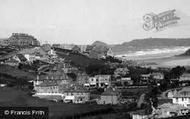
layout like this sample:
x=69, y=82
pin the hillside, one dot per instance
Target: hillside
x=150, y=43
x=78, y=60
x=187, y=53
x=99, y=43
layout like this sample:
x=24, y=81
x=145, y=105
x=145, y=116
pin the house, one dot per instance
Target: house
x=126, y=81
x=92, y=81
x=48, y=89
x=128, y=97
x=52, y=53
x=168, y=110
x=82, y=78
x=76, y=94
x=110, y=52
x=123, y=81
x=48, y=86
x=110, y=96
x=145, y=78
x=157, y=76
x=139, y=115
x=121, y=72
x=32, y=54
x=184, y=77
x=20, y=58
x=46, y=47
x=103, y=80
x=182, y=97
x=100, y=81
x=12, y=62
x=82, y=48
x=22, y=39
x=4, y=42
x=65, y=67
x=76, y=49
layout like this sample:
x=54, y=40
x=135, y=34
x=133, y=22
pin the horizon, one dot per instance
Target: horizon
x=98, y=40
x=83, y=22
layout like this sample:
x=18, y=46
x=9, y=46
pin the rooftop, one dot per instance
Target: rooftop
x=185, y=75
x=110, y=91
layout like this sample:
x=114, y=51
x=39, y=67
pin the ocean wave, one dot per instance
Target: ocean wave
x=156, y=52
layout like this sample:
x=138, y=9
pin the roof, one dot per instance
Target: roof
x=36, y=50
x=110, y=91
x=107, y=76
x=76, y=88
x=145, y=75
x=171, y=107
x=69, y=97
x=139, y=112
x=157, y=73
x=55, y=75
x=48, y=84
x=184, y=92
x=46, y=47
x=21, y=57
x=185, y=75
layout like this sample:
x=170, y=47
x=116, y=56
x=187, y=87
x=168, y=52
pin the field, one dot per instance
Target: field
x=14, y=72
x=15, y=97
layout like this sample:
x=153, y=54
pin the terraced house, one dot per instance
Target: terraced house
x=21, y=39
x=47, y=86
x=100, y=81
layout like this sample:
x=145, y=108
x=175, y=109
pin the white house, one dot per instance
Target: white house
x=76, y=94
x=100, y=81
x=182, y=97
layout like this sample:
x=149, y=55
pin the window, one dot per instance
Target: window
x=176, y=99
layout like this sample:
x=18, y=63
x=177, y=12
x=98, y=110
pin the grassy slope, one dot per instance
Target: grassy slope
x=5, y=69
x=13, y=97
x=79, y=59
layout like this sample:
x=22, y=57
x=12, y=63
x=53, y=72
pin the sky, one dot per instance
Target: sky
x=86, y=21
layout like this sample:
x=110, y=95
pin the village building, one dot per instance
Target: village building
x=82, y=78
x=21, y=39
x=4, y=42
x=126, y=81
x=145, y=78
x=157, y=76
x=139, y=115
x=32, y=54
x=121, y=72
x=11, y=62
x=184, y=77
x=169, y=110
x=110, y=52
x=15, y=60
x=76, y=94
x=182, y=97
x=76, y=49
x=82, y=48
x=103, y=80
x=47, y=86
x=48, y=90
x=46, y=47
x=100, y=81
x=110, y=96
